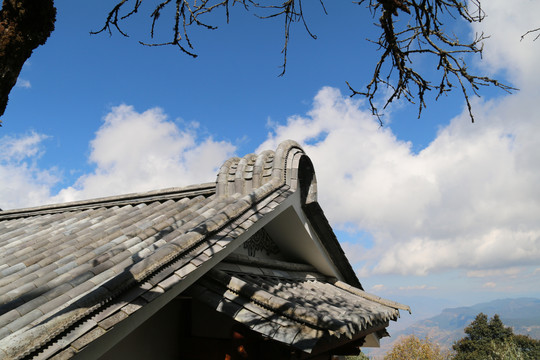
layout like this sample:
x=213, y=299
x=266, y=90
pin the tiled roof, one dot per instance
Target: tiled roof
x=293, y=304
x=70, y=272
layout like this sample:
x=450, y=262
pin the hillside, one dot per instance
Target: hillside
x=522, y=314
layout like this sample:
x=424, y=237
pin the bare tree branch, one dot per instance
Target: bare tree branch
x=424, y=35
x=192, y=12
x=531, y=32
x=400, y=42
x=26, y=24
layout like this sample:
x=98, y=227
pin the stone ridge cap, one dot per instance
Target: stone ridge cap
x=153, y=195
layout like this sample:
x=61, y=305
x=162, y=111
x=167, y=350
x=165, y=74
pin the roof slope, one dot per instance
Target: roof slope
x=69, y=272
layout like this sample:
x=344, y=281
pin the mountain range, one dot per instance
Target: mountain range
x=521, y=314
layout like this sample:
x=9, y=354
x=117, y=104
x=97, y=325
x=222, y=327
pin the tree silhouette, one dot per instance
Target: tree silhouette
x=24, y=25
x=493, y=340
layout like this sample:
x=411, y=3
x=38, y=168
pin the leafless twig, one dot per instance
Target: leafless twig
x=400, y=42
x=192, y=12
x=424, y=35
x=531, y=32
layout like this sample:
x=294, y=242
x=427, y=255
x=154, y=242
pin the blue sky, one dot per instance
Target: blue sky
x=433, y=212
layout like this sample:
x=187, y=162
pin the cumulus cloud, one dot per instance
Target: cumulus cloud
x=23, y=182
x=135, y=151
x=131, y=152
x=469, y=200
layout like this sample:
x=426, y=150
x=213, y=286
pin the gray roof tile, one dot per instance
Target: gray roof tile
x=134, y=306
x=65, y=354
x=112, y=320
x=87, y=338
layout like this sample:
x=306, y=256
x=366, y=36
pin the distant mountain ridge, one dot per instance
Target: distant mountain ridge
x=522, y=314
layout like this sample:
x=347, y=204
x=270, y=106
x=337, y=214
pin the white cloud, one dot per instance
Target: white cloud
x=144, y=151
x=354, y=252
x=23, y=182
x=16, y=149
x=468, y=200
x=505, y=23
x=131, y=152
x=22, y=83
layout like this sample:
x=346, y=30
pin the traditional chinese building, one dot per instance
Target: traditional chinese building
x=244, y=267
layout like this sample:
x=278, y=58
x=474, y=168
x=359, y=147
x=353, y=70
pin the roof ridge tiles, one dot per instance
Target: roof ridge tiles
x=155, y=195
x=242, y=175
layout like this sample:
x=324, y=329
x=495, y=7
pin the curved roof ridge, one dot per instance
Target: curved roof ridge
x=236, y=175
x=243, y=175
